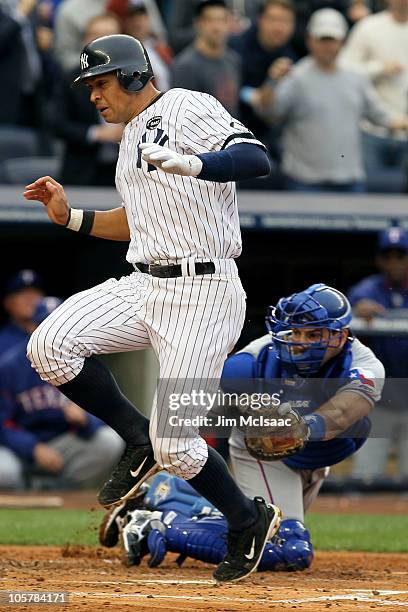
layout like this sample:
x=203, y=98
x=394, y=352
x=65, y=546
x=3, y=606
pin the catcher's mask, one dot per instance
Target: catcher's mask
x=318, y=307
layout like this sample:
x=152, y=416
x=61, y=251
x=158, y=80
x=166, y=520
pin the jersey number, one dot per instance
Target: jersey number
x=161, y=138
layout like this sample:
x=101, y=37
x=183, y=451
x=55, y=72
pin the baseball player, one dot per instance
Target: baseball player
x=179, y=156
x=329, y=378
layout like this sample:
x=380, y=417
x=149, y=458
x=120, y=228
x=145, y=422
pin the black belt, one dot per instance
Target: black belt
x=207, y=267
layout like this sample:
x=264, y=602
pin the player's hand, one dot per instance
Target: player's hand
x=368, y=309
x=74, y=415
x=280, y=68
x=169, y=161
x=48, y=458
x=48, y=191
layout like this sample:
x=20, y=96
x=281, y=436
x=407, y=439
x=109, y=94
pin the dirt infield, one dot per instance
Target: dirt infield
x=96, y=580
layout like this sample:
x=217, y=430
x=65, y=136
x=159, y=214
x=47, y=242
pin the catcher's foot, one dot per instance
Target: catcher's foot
x=136, y=465
x=244, y=550
x=114, y=519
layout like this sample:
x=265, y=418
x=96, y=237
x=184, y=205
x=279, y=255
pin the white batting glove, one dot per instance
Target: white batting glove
x=169, y=161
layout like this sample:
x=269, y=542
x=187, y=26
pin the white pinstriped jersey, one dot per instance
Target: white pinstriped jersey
x=170, y=216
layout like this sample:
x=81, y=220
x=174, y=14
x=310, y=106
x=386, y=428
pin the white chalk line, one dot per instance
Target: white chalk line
x=358, y=596
x=378, y=592
x=365, y=599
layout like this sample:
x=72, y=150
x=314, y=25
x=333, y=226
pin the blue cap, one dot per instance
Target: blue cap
x=45, y=308
x=22, y=280
x=394, y=237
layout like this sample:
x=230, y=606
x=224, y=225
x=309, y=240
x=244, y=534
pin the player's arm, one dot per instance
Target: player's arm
x=338, y=414
x=108, y=224
x=237, y=162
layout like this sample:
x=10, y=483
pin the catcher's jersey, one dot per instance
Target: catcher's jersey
x=172, y=217
x=359, y=371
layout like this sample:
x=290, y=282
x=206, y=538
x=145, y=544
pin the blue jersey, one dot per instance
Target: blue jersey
x=10, y=336
x=393, y=351
x=356, y=368
x=31, y=409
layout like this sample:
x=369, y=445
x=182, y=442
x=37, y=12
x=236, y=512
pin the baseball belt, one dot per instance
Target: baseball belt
x=172, y=271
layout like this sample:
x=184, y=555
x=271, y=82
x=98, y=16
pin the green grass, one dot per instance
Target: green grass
x=49, y=526
x=359, y=532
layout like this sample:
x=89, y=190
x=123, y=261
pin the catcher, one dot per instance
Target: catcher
x=327, y=383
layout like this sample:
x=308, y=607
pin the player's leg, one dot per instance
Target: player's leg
x=273, y=480
x=292, y=549
x=203, y=321
x=100, y=320
x=370, y=461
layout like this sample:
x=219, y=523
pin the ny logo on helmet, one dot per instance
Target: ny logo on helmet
x=84, y=61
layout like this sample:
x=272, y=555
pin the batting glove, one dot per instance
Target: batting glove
x=169, y=161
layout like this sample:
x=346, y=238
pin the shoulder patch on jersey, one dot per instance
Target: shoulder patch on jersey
x=153, y=123
x=363, y=377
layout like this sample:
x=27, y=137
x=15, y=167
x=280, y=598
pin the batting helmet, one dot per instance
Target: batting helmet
x=118, y=53
x=319, y=306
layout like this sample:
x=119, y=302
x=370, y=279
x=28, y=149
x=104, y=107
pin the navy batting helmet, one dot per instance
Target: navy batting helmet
x=118, y=53
x=320, y=307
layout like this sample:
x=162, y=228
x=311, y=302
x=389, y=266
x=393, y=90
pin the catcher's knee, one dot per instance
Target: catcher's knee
x=291, y=549
x=179, y=458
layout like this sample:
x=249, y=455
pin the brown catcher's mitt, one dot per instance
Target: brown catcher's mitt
x=281, y=432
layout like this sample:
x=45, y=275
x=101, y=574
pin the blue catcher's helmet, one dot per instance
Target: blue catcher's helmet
x=319, y=306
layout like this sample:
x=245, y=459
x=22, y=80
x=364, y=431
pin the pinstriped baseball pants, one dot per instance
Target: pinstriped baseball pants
x=192, y=323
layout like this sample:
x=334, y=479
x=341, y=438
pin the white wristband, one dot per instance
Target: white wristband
x=75, y=220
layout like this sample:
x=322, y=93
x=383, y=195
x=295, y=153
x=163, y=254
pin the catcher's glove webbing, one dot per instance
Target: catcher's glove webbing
x=279, y=431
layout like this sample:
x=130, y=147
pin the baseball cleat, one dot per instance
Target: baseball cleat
x=136, y=465
x=115, y=518
x=244, y=550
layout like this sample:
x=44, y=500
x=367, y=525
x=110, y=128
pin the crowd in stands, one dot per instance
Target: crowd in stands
x=323, y=83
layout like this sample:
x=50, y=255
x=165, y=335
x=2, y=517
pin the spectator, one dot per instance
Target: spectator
x=20, y=65
x=137, y=22
x=208, y=65
x=352, y=10
x=40, y=428
x=23, y=292
x=322, y=105
x=91, y=145
x=265, y=52
x=70, y=24
x=381, y=295
x=181, y=22
x=378, y=47
x=122, y=8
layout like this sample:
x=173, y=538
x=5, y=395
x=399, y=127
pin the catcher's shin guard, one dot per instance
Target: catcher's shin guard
x=291, y=549
x=201, y=538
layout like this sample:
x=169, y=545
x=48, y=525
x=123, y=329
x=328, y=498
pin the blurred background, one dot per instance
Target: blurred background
x=324, y=84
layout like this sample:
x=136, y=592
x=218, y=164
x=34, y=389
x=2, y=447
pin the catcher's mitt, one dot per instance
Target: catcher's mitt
x=284, y=433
